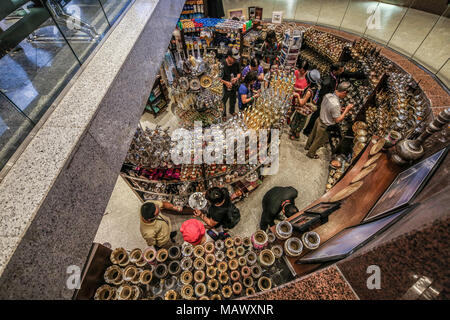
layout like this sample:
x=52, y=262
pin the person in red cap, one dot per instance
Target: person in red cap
x=193, y=231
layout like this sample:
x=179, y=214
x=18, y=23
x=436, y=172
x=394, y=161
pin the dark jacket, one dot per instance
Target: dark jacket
x=330, y=83
x=271, y=204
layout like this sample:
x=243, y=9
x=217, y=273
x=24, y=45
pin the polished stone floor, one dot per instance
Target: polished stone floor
x=120, y=224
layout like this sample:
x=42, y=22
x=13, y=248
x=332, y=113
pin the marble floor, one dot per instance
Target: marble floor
x=120, y=224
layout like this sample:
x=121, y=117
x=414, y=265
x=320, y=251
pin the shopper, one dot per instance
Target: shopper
x=222, y=214
x=330, y=114
x=230, y=80
x=277, y=202
x=193, y=232
x=305, y=103
x=155, y=227
x=254, y=66
x=245, y=93
x=329, y=85
x=271, y=48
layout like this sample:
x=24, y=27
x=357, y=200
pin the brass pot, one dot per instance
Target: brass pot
x=171, y=295
x=114, y=275
x=311, y=240
x=249, y=291
x=174, y=267
x=150, y=255
x=136, y=256
x=161, y=271
x=240, y=251
x=264, y=283
x=251, y=258
x=146, y=277
x=199, y=251
x=186, y=263
x=245, y=272
x=170, y=283
x=242, y=261
x=248, y=282
x=283, y=230
x=131, y=274
x=231, y=253
x=220, y=256
x=266, y=258
x=223, y=277
x=120, y=256
x=229, y=242
x=210, y=259
x=186, y=277
x=227, y=291
x=213, y=285
x=187, y=249
x=220, y=245
x=209, y=247
x=256, y=271
x=199, y=264
x=162, y=255
x=211, y=272
x=203, y=298
x=125, y=292
x=237, y=241
x=187, y=291
x=174, y=253
x=237, y=288
x=293, y=247
x=277, y=251
x=200, y=289
x=199, y=276
x=105, y=292
x=216, y=297
x=234, y=275
x=246, y=242
x=233, y=264
x=271, y=237
x=222, y=266
x=260, y=239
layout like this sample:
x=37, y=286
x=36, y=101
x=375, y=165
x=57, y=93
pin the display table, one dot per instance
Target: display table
x=354, y=208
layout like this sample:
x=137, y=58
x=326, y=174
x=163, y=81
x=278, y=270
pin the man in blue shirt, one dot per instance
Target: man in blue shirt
x=254, y=66
x=245, y=94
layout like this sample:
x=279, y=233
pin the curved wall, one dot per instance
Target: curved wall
x=403, y=26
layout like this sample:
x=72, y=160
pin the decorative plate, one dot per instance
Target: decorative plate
x=364, y=173
x=195, y=84
x=184, y=83
x=206, y=81
x=377, y=146
x=197, y=200
x=372, y=160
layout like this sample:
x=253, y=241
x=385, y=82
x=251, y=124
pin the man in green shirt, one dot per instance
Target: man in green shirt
x=155, y=227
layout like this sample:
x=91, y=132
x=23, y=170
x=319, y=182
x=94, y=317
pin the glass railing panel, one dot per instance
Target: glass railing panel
x=114, y=8
x=33, y=73
x=82, y=22
x=14, y=127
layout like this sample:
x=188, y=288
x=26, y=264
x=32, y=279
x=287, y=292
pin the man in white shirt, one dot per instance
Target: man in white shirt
x=330, y=114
